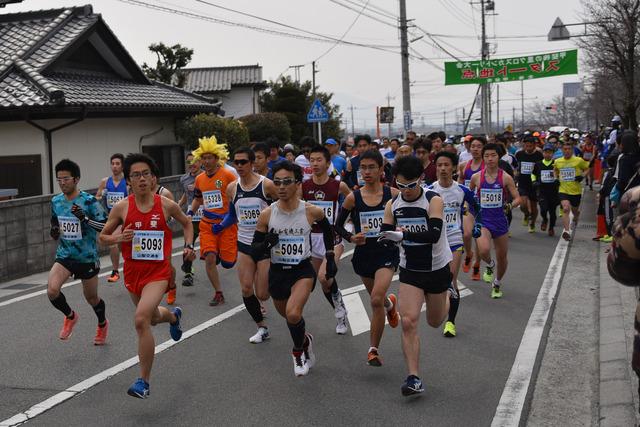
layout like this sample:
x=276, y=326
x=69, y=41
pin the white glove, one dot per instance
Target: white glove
x=390, y=236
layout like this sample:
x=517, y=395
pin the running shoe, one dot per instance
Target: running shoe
x=551, y=232
x=543, y=225
x=466, y=266
x=101, y=333
x=532, y=228
x=561, y=213
x=566, y=235
x=373, y=358
x=218, y=299
x=139, y=389
x=115, y=276
x=67, y=326
x=175, y=330
x=342, y=326
x=188, y=280
x=412, y=386
x=476, y=273
x=340, y=310
x=260, y=336
x=300, y=366
x=171, y=296
x=392, y=313
x=496, y=292
x=488, y=275
x=449, y=329
x=525, y=221
x=606, y=238
x=309, y=355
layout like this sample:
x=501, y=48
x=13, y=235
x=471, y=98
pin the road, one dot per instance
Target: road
x=217, y=377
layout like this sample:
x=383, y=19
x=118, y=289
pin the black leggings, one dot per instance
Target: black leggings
x=548, y=206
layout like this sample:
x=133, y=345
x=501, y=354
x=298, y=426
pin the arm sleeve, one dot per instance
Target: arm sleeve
x=197, y=194
x=230, y=217
x=339, y=227
x=327, y=234
x=430, y=236
x=54, y=217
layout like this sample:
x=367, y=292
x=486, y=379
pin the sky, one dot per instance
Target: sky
x=362, y=77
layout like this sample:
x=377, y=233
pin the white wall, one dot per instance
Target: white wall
x=89, y=143
x=241, y=101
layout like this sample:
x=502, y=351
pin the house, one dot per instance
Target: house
x=69, y=88
x=238, y=88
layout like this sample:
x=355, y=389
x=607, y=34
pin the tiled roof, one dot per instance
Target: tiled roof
x=32, y=42
x=221, y=79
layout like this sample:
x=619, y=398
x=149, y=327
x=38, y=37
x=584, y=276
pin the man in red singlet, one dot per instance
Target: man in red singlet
x=146, y=248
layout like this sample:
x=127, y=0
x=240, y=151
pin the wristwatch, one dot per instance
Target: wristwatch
x=188, y=246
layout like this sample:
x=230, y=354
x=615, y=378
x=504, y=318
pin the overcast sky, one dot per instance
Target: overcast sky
x=358, y=76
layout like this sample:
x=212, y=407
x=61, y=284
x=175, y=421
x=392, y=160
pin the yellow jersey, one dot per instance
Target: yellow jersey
x=567, y=170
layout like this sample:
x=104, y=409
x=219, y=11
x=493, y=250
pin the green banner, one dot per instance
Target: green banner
x=511, y=69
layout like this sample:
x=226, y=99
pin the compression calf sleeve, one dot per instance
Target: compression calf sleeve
x=297, y=332
x=454, y=304
x=100, y=311
x=253, y=307
x=60, y=302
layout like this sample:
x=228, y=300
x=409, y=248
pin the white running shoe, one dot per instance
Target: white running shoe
x=309, y=355
x=300, y=366
x=342, y=326
x=260, y=336
x=340, y=310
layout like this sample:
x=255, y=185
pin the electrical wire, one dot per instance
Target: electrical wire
x=346, y=32
x=394, y=25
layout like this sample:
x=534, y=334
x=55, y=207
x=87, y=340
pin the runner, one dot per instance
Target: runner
x=372, y=261
x=354, y=174
x=249, y=196
x=326, y=193
x=492, y=185
x=146, y=249
x=163, y=191
x=75, y=218
x=454, y=196
x=527, y=158
x=425, y=275
x=187, y=181
x=114, y=189
x=261, y=165
x=546, y=185
x=570, y=170
x=211, y=192
x=306, y=144
x=589, y=152
x=284, y=229
x=465, y=172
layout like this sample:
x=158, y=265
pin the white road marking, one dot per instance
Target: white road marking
x=509, y=410
x=83, y=386
x=66, y=285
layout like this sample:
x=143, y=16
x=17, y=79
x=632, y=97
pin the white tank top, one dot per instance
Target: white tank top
x=248, y=204
x=294, y=233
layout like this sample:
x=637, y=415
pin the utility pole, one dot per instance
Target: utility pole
x=498, y=107
x=353, y=132
x=444, y=122
x=404, y=56
x=389, y=98
x=522, y=101
x=313, y=90
x=513, y=118
x=485, y=108
x=296, y=71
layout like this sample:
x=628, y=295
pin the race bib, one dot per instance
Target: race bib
x=412, y=225
x=546, y=176
x=248, y=215
x=587, y=155
x=114, y=197
x=70, y=228
x=526, y=168
x=467, y=183
x=327, y=208
x=370, y=223
x=567, y=174
x=212, y=199
x=197, y=216
x=491, y=197
x=359, y=178
x=148, y=245
x=289, y=250
x=451, y=218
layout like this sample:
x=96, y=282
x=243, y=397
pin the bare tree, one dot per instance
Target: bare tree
x=612, y=51
x=573, y=112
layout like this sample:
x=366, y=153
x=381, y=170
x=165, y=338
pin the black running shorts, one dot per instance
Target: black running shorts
x=431, y=282
x=283, y=277
x=80, y=270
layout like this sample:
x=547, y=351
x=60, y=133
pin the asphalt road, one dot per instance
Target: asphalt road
x=217, y=377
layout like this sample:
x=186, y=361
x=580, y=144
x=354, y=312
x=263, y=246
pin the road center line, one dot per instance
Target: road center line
x=509, y=410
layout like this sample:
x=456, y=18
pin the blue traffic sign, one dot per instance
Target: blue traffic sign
x=317, y=113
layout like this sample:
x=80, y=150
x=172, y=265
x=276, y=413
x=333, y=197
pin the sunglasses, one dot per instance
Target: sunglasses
x=408, y=186
x=240, y=162
x=283, y=182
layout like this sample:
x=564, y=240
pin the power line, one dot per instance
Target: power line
x=394, y=25
x=379, y=10
x=346, y=32
x=459, y=17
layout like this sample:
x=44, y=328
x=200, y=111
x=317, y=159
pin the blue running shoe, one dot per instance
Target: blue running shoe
x=412, y=386
x=174, y=328
x=139, y=389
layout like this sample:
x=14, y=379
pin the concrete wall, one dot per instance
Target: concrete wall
x=25, y=245
x=241, y=101
x=89, y=143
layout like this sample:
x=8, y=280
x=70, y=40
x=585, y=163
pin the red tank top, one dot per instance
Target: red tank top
x=152, y=237
x=324, y=196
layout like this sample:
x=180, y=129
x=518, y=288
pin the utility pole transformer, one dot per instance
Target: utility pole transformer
x=404, y=54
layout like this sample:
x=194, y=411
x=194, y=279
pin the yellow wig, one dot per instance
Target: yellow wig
x=210, y=145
